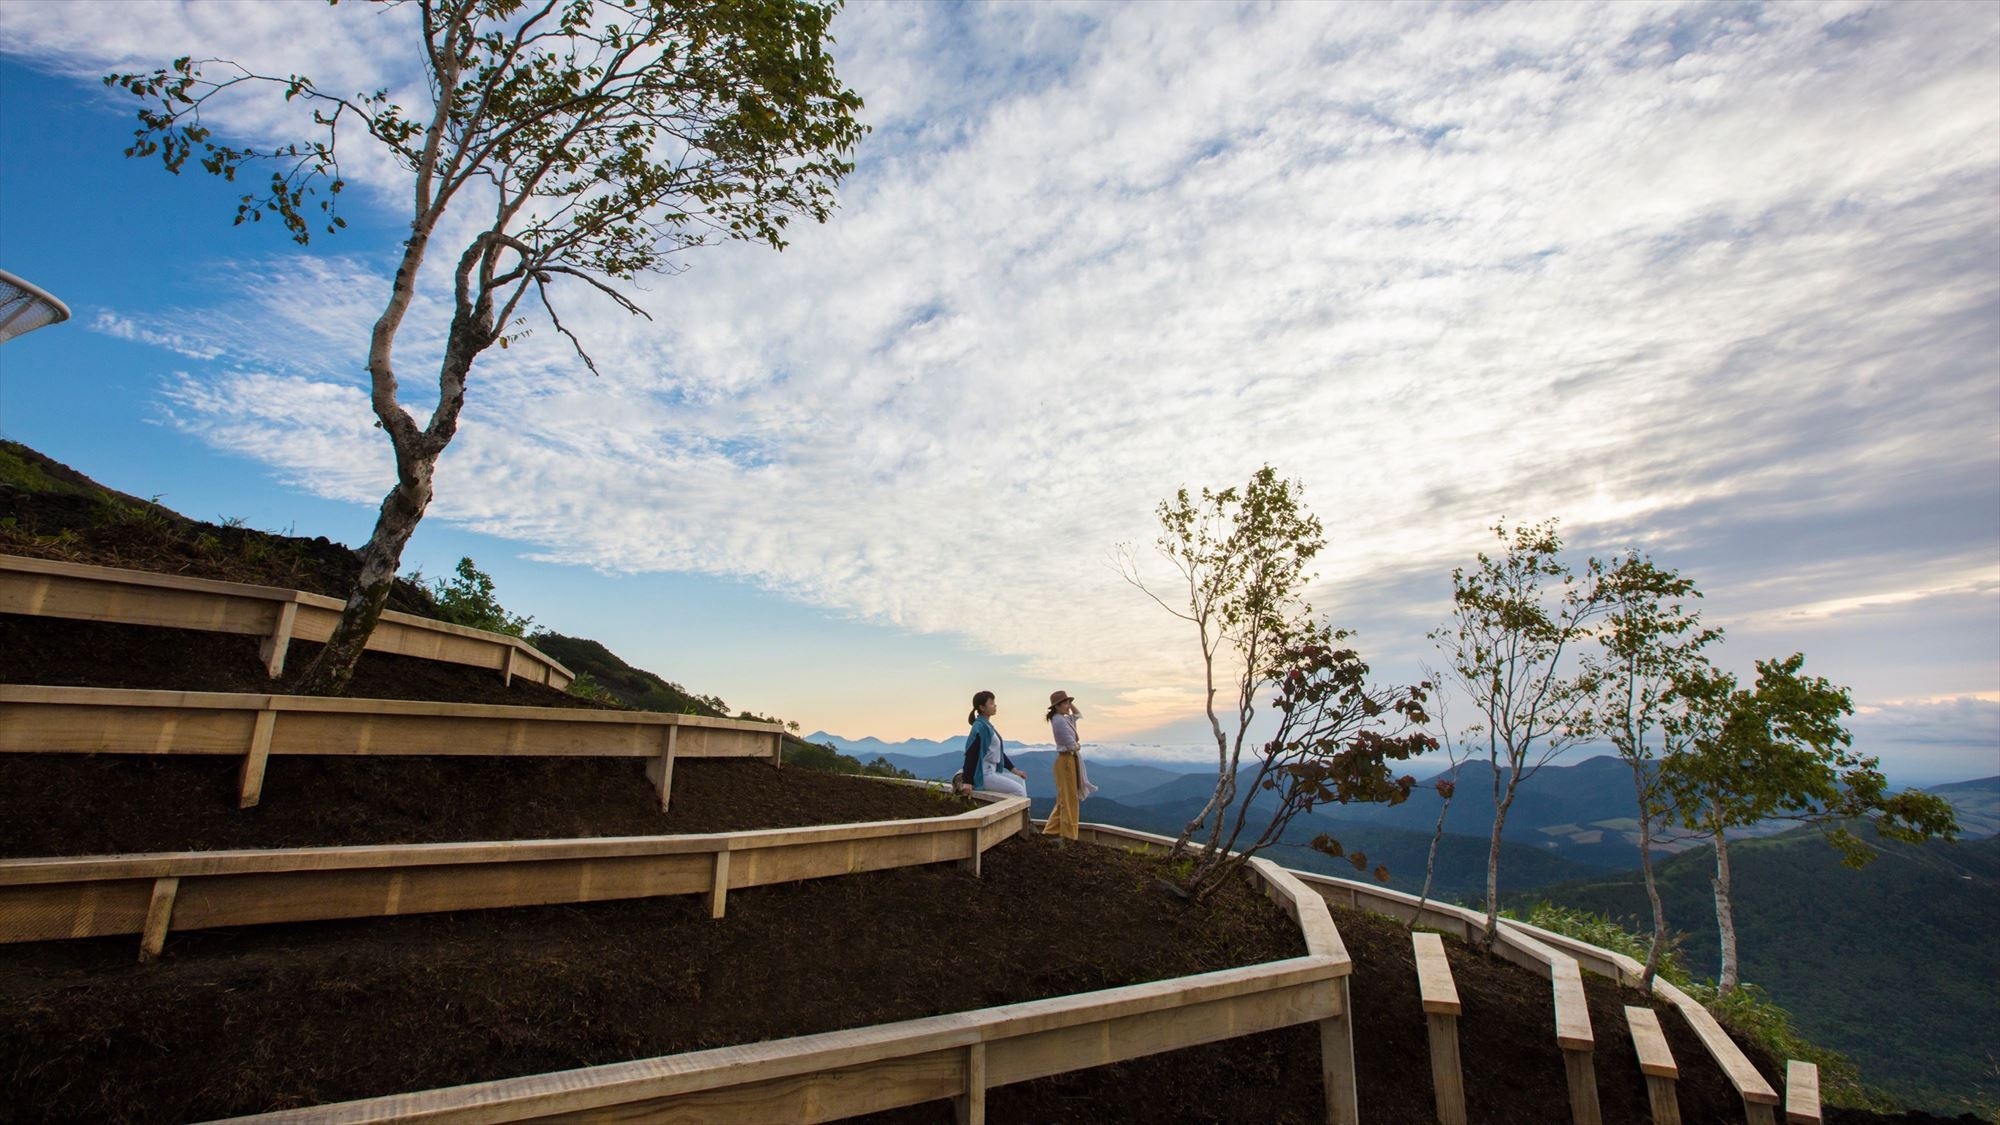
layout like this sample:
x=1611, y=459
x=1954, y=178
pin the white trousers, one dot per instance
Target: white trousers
x=1000, y=781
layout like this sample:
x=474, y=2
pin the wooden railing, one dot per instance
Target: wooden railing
x=73, y=720
x=958, y=1056
x=96, y=896
x=1533, y=946
x=46, y=588
x=1573, y=1033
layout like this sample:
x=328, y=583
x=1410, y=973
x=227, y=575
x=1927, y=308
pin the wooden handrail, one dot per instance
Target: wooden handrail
x=50, y=588
x=257, y=727
x=958, y=1056
x=95, y=896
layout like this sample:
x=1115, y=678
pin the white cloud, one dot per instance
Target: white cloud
x=1675, y=273
x=111, y=324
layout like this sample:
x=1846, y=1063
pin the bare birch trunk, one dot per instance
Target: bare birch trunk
x=333, y=669
x=1725, y=917
x=1431, y=860
x=1500, y=807
x=1652, y=884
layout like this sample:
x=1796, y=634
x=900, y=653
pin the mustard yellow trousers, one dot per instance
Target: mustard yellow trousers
x=1063, y=818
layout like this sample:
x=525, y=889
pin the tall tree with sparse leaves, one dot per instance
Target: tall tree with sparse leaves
x=1650, y=640
x=1242, y=557
x=1511, y=647
x=593, y=139
x=1780, y=751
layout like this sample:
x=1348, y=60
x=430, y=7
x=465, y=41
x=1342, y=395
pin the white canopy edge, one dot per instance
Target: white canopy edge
x=25, y=307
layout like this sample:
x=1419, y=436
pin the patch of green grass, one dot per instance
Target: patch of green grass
x=1747, y=1009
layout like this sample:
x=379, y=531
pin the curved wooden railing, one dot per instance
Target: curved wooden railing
x=958, y=1056
x=1553, y=955
x=97, y=896
x=76, y=720
x=47, y=588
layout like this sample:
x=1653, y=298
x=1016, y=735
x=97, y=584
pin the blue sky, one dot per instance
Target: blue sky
x=1718, y=281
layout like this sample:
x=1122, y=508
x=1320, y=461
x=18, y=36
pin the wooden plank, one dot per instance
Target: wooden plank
x=1305, y=906
x=248, y=900
x=1751, y=1085
x=61, y=897
x=56, y=589
x=250, y=780
x=89, y=729
x=159, y=914
x=1582, y=1075
x=1801, y=1093
x=1650, y=1043
x=88, y=573
x=43, y=913
x=241, y=701
x=1439, y=994
x=1573, y=1032
x=1017, y=1056
x=1434, y=983
x=1447, y=1073
x=1572, y=1007
x=764, y=866
x=95, y=720
x=827, y=1063
x=84, y=599
x=1656, y=1062
x=718, y=887
x=1663, y=1098
x=260, y=860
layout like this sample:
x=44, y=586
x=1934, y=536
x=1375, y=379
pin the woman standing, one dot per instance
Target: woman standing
x=987, y=765
x=1072, y=785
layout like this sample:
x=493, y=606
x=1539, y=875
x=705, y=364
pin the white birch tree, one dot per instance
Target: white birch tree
x=1510, y=646
x=594, y=140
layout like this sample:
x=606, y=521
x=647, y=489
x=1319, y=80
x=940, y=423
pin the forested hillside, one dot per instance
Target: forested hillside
x=1896, y=964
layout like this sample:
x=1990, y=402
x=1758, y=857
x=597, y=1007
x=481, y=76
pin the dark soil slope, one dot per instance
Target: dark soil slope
x=232, y=1022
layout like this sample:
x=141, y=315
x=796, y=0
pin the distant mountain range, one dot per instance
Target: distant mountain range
x=1567, y=822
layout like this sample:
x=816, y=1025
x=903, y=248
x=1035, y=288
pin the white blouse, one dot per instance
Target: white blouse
x=1064, y=728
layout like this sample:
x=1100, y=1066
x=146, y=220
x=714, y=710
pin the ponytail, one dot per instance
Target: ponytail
x=979, y=699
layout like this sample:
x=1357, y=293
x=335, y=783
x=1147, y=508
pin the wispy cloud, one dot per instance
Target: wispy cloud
x=180, y=343
x=1683, y=275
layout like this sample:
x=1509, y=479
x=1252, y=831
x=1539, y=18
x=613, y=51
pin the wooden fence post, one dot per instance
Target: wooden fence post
x=1441, y=1011
x=971, y=862
x=159, y=913
x=1578, y=1045
x=1336, y=1059
x=969, y=1108
x=280, y=640
x=250, y=779
x=1656, y=1062
x=1801, y=1093
x=718, y=894
x=660, y=771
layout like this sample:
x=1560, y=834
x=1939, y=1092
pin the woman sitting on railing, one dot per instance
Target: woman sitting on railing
x=987, y=765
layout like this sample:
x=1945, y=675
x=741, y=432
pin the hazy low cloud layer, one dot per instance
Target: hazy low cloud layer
x=1717, y=281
